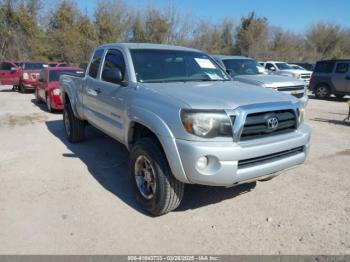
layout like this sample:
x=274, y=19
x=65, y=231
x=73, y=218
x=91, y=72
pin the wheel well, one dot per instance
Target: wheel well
x=138, y=131
x=66, y=99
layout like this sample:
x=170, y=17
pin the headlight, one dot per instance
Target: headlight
x=56, y=92
x=295, y=75
x=207, y=124
x=25, y=76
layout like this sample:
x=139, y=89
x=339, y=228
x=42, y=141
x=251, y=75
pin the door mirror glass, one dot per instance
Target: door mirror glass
x=112, y=75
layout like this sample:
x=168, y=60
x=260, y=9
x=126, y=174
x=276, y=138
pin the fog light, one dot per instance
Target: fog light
x=202, y=162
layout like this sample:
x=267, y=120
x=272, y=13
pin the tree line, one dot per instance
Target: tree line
x=31, y=31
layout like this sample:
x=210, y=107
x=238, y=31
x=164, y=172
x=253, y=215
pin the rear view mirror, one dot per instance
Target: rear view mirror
x=112, y=75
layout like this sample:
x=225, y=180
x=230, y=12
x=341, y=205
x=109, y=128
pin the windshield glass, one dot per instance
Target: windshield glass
x=242, y=66
x=33, y=66
x=54, y=75
x=152, y=66
x=283, y=66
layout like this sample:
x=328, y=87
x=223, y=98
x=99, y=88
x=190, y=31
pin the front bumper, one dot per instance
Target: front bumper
x=223, y=166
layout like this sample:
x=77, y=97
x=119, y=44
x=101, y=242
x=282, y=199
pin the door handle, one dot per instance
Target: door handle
x=98, y=90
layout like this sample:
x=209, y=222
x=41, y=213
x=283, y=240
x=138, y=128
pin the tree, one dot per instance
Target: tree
x=252, y=37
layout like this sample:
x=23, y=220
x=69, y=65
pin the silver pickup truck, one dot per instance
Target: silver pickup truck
x=246, y=70
x=183, y=120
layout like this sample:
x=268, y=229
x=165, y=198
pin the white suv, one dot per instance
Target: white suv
x=282, y=68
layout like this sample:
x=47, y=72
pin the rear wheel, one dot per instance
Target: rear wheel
x=74, y=127
x=322, y=91
x=155, y=187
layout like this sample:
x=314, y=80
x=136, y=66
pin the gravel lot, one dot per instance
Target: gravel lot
x=59, y=198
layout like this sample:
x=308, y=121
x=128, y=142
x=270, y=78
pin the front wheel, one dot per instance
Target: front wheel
x=22, y=89
x=74, y=127
x=155, y=187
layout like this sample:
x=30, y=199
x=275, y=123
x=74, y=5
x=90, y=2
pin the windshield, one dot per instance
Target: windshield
x=54, y=75
x=242, y=66
x=152, y=66
x=283, y=66
x=33, y=66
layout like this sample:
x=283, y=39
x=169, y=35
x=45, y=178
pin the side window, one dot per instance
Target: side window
x=114, y=59
x=342, y=68
x=95, y=63
x=324, y=67
x=5, y=66
x=269, y=66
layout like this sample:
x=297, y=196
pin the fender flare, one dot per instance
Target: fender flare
x=153, y=122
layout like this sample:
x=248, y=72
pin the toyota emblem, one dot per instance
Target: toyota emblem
x=272, y=123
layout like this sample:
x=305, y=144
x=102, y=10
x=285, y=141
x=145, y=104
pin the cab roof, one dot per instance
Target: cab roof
x=148, y=46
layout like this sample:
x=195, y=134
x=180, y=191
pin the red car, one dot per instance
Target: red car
x=48, y=89
x=30, y=75
x=10, y=73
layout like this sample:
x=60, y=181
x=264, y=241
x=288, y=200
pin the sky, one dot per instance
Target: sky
x=292, y=15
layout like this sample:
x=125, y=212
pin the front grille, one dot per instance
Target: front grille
x=269, y=158
x=290, y=88
x=256, y=125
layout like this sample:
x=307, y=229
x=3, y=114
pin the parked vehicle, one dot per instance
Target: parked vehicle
x=183, y=120
x=282, y=68
x=9, y=73
x=297, y=67
x=57, y=64
x=29, y=75
x=246, y=70
x=48, y=88
x=306, y=66
x=331, y=77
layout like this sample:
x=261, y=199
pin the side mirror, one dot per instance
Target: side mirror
x=272, y=68
x=230, y=72
x=13, y=69
x=112, y=75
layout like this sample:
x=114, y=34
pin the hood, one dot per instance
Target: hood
x=270, y=81
x=217, y=95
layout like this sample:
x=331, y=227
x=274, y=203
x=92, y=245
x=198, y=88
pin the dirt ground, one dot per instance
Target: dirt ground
x=60, y=198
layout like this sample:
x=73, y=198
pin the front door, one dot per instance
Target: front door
x=9, y=74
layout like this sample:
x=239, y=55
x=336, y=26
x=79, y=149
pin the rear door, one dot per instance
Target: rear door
x=9, y=74
x=340, y=78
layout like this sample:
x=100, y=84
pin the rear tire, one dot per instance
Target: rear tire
x=155, y=187
x=74, y=127
x=322, y=91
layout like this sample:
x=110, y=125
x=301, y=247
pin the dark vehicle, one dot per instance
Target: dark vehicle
x=57, y=64
x=306, y=66
x=331, y=77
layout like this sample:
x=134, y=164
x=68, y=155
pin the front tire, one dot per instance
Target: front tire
x=155, y=187
x=74, y=127
x=22, y=89
x=48, y=103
